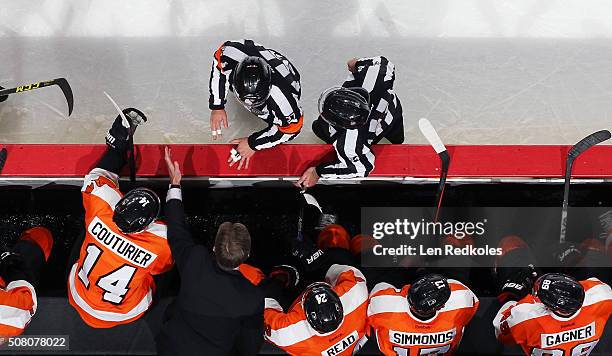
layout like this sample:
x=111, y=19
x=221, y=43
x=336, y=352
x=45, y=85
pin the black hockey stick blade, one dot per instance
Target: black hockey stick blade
x=67, y=90
x=60, y=82
x=575, y=151
x=3, y=155
x=588, y=142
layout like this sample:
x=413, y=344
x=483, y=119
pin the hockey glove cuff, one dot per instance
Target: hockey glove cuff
x=519, y=285
x=288, y=275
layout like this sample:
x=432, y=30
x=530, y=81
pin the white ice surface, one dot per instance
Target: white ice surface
x=482, y=71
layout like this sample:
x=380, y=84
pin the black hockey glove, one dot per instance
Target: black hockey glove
x=288, y=275
x=308, y=255
x=519, y=285
x=568, y=255
x=12, y=267
x=119, y=134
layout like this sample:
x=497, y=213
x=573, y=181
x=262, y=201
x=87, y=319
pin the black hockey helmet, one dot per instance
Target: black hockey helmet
x=428, y=295
x=562, y=294
x=252, y=81
x=136, y=210
x=323, y=307
x=345, y=108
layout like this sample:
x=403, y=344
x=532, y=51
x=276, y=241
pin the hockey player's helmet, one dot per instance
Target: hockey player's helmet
x=252, y=81
x=136, y=210
x=428, y=295
x=323, y=307
x=562, y=294
x=345, y=108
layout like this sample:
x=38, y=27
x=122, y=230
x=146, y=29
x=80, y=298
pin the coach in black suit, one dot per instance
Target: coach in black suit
x=217, y=311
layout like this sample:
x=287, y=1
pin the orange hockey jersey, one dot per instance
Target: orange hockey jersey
x=17, y=307
x=291, y=332
x=253, y=274
x=398, y=332
x=538, y=331
x=112, y=281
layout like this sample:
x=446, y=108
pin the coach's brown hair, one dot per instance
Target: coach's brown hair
x=232, y=245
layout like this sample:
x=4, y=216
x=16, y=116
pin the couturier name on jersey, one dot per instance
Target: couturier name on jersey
x=120, y=245
x=416, y=339
x=578, y=334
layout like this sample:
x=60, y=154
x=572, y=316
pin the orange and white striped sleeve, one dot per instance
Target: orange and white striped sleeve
x=17, y=307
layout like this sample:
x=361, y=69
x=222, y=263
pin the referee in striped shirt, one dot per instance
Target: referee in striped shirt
x=266, y=84
x=354, y=117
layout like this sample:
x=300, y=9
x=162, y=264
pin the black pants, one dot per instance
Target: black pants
x=33, y=261
x=250, y=339
x=185, y=334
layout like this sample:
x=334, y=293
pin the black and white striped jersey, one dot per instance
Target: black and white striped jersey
x=282, y=111
x=353, y=147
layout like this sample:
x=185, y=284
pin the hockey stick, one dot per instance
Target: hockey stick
x=310, y=200
x=434, y=140
x=60, y=82
x=3, y=155
x=132, y=125
x=576, y=150
x=300, y=232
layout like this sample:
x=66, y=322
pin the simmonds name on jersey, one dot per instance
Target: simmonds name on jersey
x=417, y=339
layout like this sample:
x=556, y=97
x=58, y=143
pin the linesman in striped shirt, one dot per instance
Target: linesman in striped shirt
x=266, y=84
x=354, y=117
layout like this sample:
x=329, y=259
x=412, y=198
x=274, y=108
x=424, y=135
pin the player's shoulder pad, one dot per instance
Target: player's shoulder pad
x=596, y=291
x=271, y=303
x=285, y=329
x=346, y=272
x=461, y=297
x=384, y=288
x=102, y=176
x=104, y=185
x=159, y=229
x=385, y=298
x=456, y=285
x=525, y=310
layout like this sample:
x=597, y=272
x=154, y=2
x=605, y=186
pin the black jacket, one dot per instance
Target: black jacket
x=213, y=306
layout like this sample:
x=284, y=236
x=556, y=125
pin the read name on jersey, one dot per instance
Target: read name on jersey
x=120, y=245
x=424, y=339
x=341, y=345
x=578, y=334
